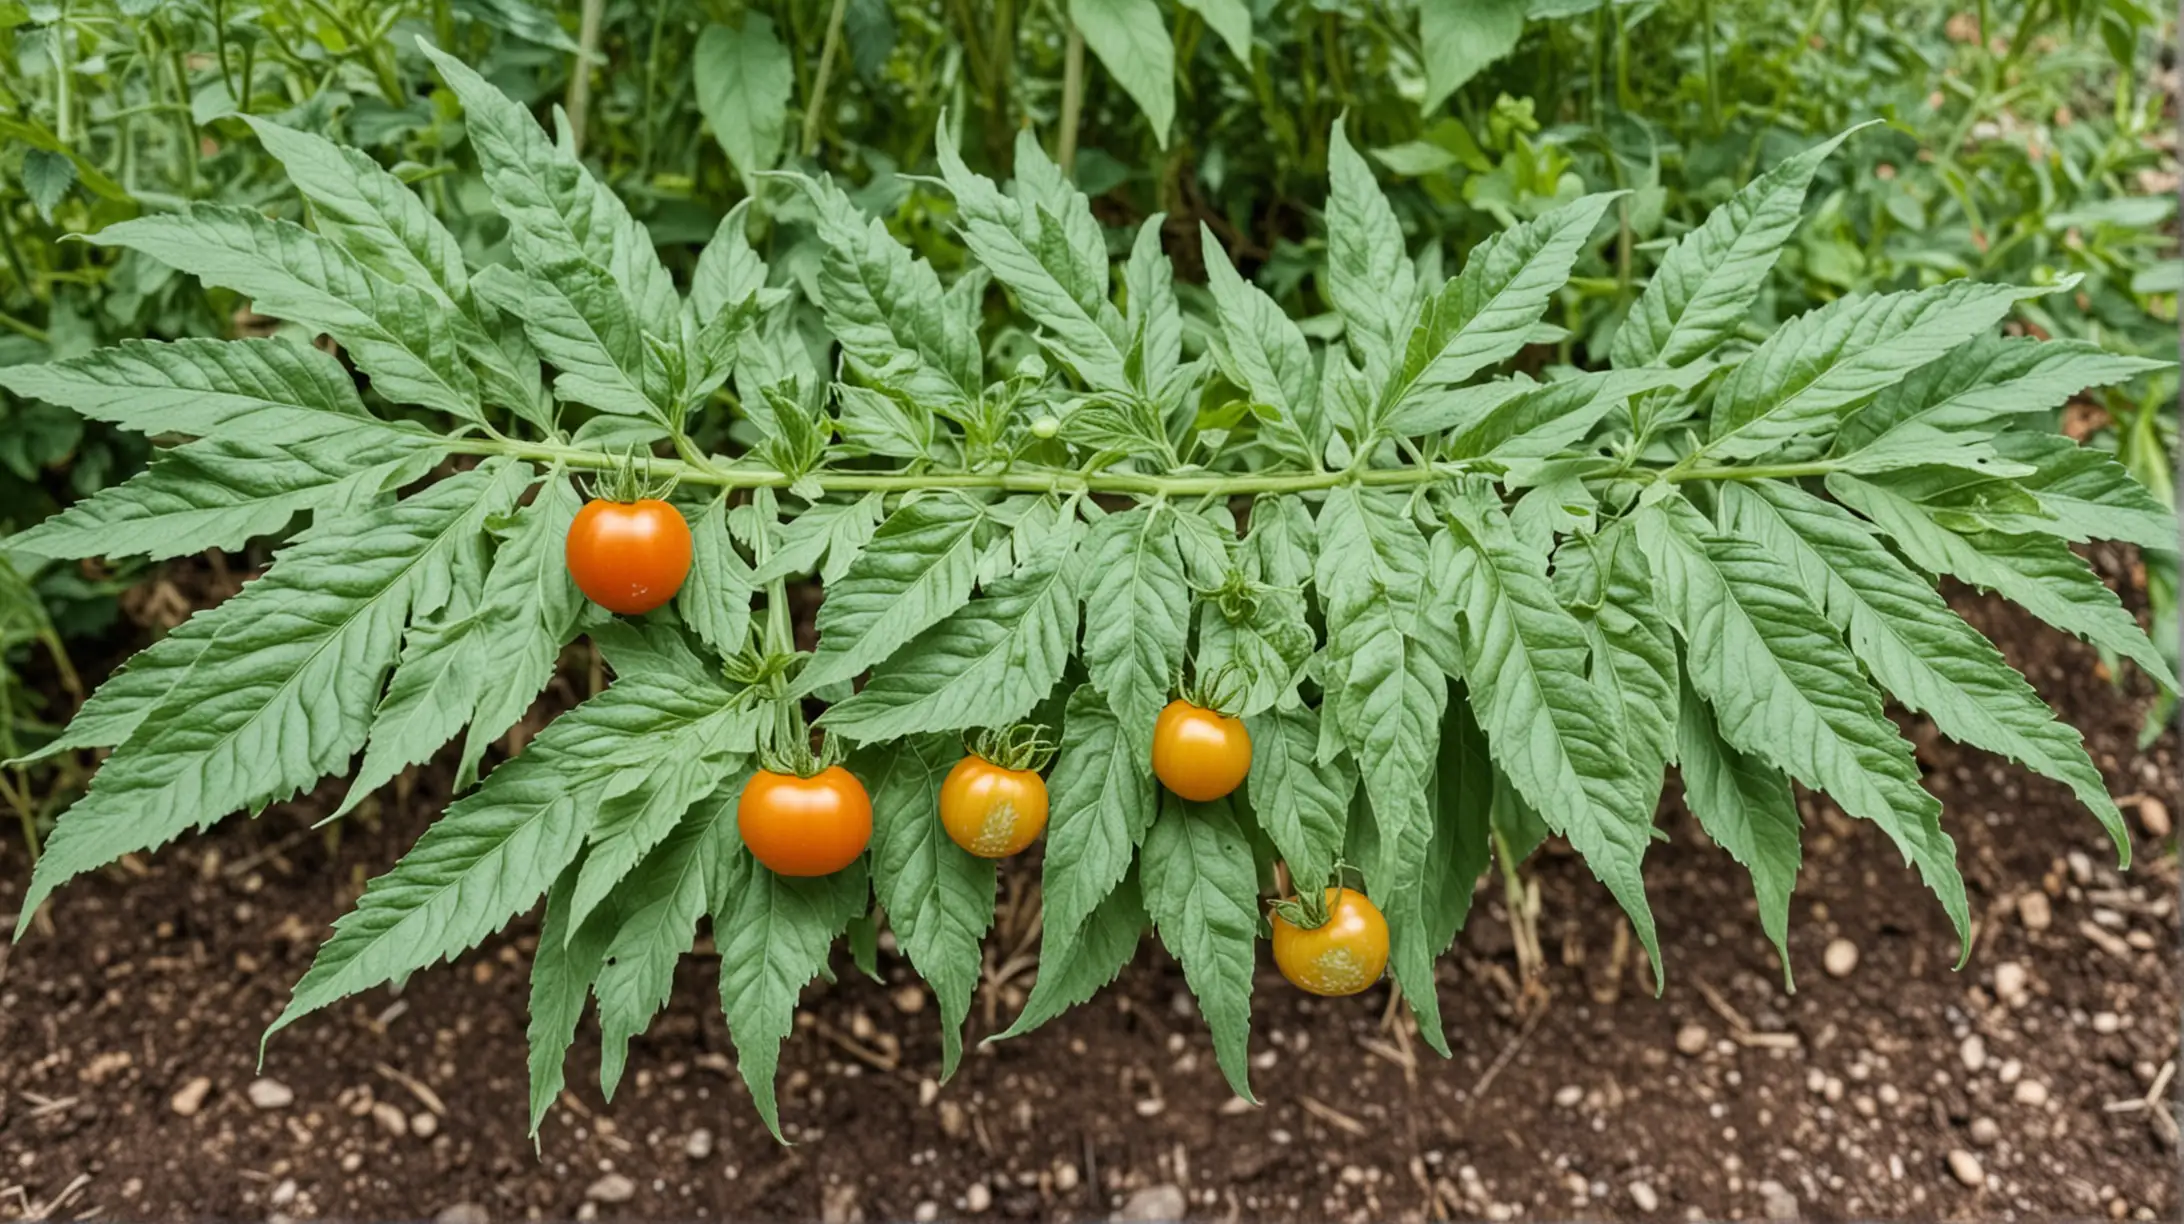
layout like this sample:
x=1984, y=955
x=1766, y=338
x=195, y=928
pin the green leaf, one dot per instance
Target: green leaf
x=886, y=309
x=1707, y=282
x=1746, y=807
x=986, y=665
x=1484, y=315
x=1269, y=647
x=1093, y=958
x=744, y=78
x=835, y=531
x=1914, y=646
x=281, y=692
x=1154, y=319
x=1130, y=37
x=1785, y=689
x=2090, y=495
x=1102, y=800
x=1058, y=280
x=580, y=322
x=529, y=611
x=2039, y=573
x=556, y=211
x=728, y=269
x=1304, y=806
x=221, y=492
x=1263, y=351
x=1370, y=548
x=642, y=806
x=1531, y=421
x=47, y=176
x=1460, y=37
x=1202, y=889
x=1548, y=727
x=938, y=896
x=715, y=600
x=1605, y=578
x=563, y=967
x=1462, y=844
x=1978, y=382
x=392, y=332
x=1368, y=276
x=1231, y=19
x=1822, y=364
x=659, y=906
x=774, y=935
x=1136, y=615
x=494, y=851
x=917, y=570
x=263, y=391
x=369, y=212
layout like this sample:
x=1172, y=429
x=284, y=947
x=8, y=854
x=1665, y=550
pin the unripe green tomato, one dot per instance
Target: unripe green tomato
x=1045, y=427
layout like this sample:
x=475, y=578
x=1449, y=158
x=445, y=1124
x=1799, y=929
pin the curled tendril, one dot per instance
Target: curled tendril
x=1022, y=746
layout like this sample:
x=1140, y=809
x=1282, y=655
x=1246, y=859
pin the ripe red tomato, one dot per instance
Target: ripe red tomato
x=1199, y=753
x=990, y=811
x=628, y=557
x=811, y=826
x=1341, y=958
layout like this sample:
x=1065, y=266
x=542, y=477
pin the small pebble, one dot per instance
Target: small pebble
x=1568, y=1096
x=1973, y=1053
x=909, y=1000
x=352, y=1161
x=424, y=1124
x=928, y=1092
x=1065, y=1177
x=2081, y=868
x=190, y=1097
x=1965, y=1167
x=1643, y=1197
x=270, y=1094
x=2034, y=911
x=2154, y=817
x=2011, y=1071
x=464, y=1213
x=698, y=1144
x=284, y=1193
x=977, y=1198
x=2030, y=1092
x=1691, y=1040
x=390, y=1118
x=2106, y=1022
x=925, y=1212
x=2011, y=982
x=1840, y=957
x=1985, y=1132
x=613, y=1188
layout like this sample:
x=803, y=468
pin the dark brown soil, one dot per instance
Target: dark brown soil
x=1845, y=1099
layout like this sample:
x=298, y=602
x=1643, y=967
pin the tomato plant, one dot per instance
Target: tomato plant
x=1338, y=947
x=1463, y=600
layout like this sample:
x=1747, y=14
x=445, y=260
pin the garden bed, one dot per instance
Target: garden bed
x=1899, y=1089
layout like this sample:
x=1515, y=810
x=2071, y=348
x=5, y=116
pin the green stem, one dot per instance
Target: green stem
x=219, y=44
x=695, y=468
x=578, y=102
x=827, y=49
x=64, y=106
x=1072, y=100
x=23, y=813
x=1779, y=471
x=1706, y=55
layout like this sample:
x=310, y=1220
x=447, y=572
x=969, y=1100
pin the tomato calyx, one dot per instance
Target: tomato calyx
x=1220, y=692
x=1307, y=910
x=1022, y=747
x=628, y=479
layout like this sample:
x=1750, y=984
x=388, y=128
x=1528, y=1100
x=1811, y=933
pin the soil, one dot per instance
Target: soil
x=2037, y=1082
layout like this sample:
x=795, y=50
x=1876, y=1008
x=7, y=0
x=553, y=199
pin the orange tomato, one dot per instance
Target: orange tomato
x=1341, y=958
x=811, y=826
x=628, y=557
x=990, y=811
x=1199, y=753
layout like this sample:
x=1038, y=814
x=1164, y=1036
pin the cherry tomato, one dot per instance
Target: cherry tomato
x=811, y=826
x=629, y=557
x=1199, y=753
x=990, y=811
x=1341, y=958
